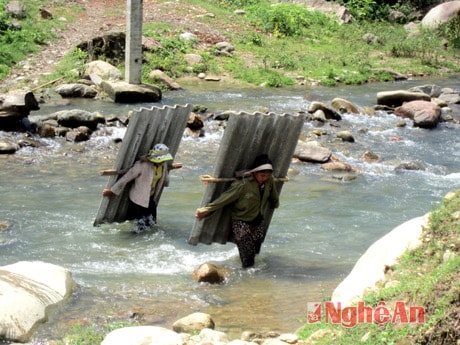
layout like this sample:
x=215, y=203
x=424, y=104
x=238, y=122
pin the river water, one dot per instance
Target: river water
x=50, y=196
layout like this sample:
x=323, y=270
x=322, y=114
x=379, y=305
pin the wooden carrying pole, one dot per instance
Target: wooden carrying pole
x=246, y=136
x=209, y=178
x=110, y=172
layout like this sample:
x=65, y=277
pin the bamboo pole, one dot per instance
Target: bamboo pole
x=109, y=172
x=48, y=83
x=209, y=178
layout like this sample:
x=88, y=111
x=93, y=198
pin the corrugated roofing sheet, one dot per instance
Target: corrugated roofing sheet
x=247, y=136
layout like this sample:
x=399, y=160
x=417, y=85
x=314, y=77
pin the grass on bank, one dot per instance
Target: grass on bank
x=33, y=32
x=89, y=335
x=275, y=46
x=278, y=45
x=428, y=277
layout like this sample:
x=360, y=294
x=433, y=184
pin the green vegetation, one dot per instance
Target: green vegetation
x=80, y=335
x=297, y=42
x=170, y=55
x=275, y=45
x=16, y=42
x=89, y=335
x=72, y=66
x=380, y=9
x=426, y=277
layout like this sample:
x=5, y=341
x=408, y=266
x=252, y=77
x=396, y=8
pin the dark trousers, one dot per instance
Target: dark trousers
x=248, y=238
x=140, y=212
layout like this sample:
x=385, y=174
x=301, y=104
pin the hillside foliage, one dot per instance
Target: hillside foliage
x=276, y=45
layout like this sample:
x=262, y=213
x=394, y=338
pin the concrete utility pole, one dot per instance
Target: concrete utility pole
x=133, y=51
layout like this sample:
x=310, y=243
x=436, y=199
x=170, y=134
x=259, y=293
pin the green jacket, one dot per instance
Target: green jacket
x=243, y=196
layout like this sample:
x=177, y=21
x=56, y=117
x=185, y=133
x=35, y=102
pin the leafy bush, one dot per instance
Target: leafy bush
x=287, y=20
x=276, y=79
x=169, y=58
x=419, y=4
x=21, y=42
x=361, y=9
x=451, y=32
x=71, y=66
x=4, y=22
x=252, y=38
x=380, y=9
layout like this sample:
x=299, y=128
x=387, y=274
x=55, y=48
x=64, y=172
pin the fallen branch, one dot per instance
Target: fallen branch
x=48, y=83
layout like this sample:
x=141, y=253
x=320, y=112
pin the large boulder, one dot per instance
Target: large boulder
x=102, y=69
x=75, y=90
x=28, y=291
x=193, y=323
x=78, y=134
x=373, y=264
x=330, y=113
x=159, y=75
x=142, y=335
x=441, y=14
x=14, y=107
x=123, y=92
x=398, y=97
x=210, y=336
x=312, y=152
x=8, y=147
x=110, y=47
x=193, y=59
x=344, y=106
x=76, y=117
x=450, y=96
x=425, y=114
x=210, y=273
x=430, y=89
x=337, y=166
x=16, y=9
x=58, y=123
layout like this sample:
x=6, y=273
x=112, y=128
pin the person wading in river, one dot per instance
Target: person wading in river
x=150, y=174
x=248, y=198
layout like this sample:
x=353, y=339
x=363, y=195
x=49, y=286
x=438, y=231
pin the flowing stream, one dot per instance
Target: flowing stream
x=50, y=196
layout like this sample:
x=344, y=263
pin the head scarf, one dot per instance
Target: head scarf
x=159, y=153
